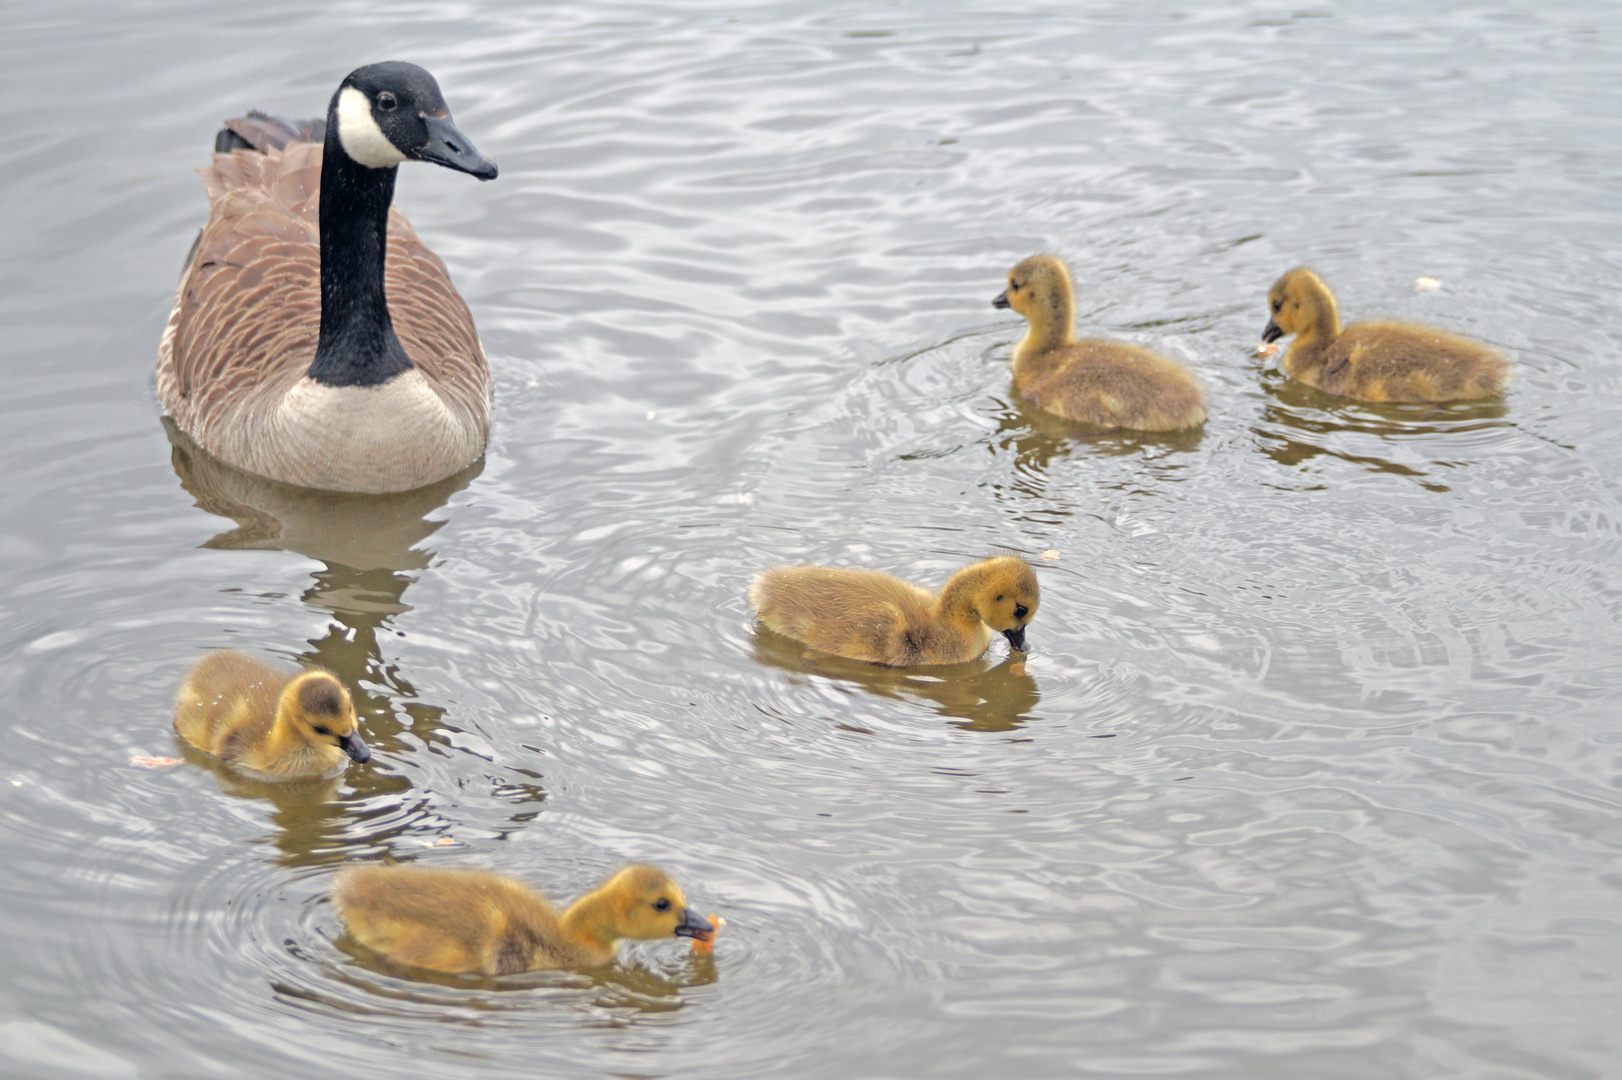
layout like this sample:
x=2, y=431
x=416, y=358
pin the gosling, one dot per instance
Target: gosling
x=867, y=615
x=277, y=723
x=1375, y=361
x=473, y=921
x=1107, y=384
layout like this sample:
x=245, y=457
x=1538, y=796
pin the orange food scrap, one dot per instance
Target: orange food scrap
x=153, y=762
x=1050, y=554
x=1016, y=669
x=705, y=946
x=1267, y=349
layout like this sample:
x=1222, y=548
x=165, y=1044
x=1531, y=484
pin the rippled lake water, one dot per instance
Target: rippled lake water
x=1313, y=770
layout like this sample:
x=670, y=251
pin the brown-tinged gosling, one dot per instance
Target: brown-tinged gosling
x=476, y=921
x=282, y=724
x=871, y=616
x=1108, y=384
x=1375, y=361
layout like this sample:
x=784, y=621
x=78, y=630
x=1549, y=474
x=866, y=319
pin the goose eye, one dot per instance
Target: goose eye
x=1276, y=306
x=386, y=102
x=319, y=730
x=661, y=904
x=1020, y=611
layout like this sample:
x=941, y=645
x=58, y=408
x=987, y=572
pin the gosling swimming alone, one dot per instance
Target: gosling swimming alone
x=281, y=724
x=871, y=616
x=1107, y=384
x=1375, y=361
x=461, y=920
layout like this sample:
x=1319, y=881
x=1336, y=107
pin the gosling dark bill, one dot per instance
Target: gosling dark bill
x=355, y=747
x=694, y=925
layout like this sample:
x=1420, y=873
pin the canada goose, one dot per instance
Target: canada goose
x=277, y=723
x=476, y=921
x=1108, y=384
x=314, y=339
x=1375, y=361
x=871, y=616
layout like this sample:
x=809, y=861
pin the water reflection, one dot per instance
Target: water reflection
x=981, y=695
x=362, y=532
x=632, y=982
x=1301, y=423
x=370, y=547
x=307, y=814
x=1038, y=437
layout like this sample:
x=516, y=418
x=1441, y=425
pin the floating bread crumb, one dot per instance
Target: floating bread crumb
x=153, y=762
x=705, y=946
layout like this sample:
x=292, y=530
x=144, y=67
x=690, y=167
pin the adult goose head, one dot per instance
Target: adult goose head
x=314, y=339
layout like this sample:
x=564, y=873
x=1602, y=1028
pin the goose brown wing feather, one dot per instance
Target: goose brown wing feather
x=265, y=133
x=432, y=321
x=296, y=181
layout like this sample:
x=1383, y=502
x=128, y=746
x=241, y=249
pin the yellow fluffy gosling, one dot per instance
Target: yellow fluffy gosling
x=867, y=615
x=475, y=921
x=285, y=725
x=1375, y=361
x=1108, y=384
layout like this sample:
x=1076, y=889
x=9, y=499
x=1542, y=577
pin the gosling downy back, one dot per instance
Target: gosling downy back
x=314, y=339
x=279, y=724
x=871, y=616
x=1104, y=384
x=463, y=920
x=1375, y=361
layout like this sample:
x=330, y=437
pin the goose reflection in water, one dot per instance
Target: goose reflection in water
x=370, y=547
x=983, y=695
x=1037, y=437
x=1300, y=423
x=647, y=983
x=1037, y=440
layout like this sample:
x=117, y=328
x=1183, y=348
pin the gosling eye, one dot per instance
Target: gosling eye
x=386, y=102
x=661, y=904
x=1020, y=611
x=319, y=730
x=1277, y=306
x=1013, y=286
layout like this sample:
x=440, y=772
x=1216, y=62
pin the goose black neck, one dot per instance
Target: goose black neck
x=358, y=346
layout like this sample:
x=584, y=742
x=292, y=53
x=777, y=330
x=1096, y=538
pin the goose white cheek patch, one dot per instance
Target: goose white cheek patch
x=359, y=134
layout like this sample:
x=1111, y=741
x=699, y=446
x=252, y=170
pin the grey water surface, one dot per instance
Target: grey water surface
x=1313, y=770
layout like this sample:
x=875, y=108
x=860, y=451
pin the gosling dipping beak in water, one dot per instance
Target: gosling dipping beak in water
x=280, y=724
